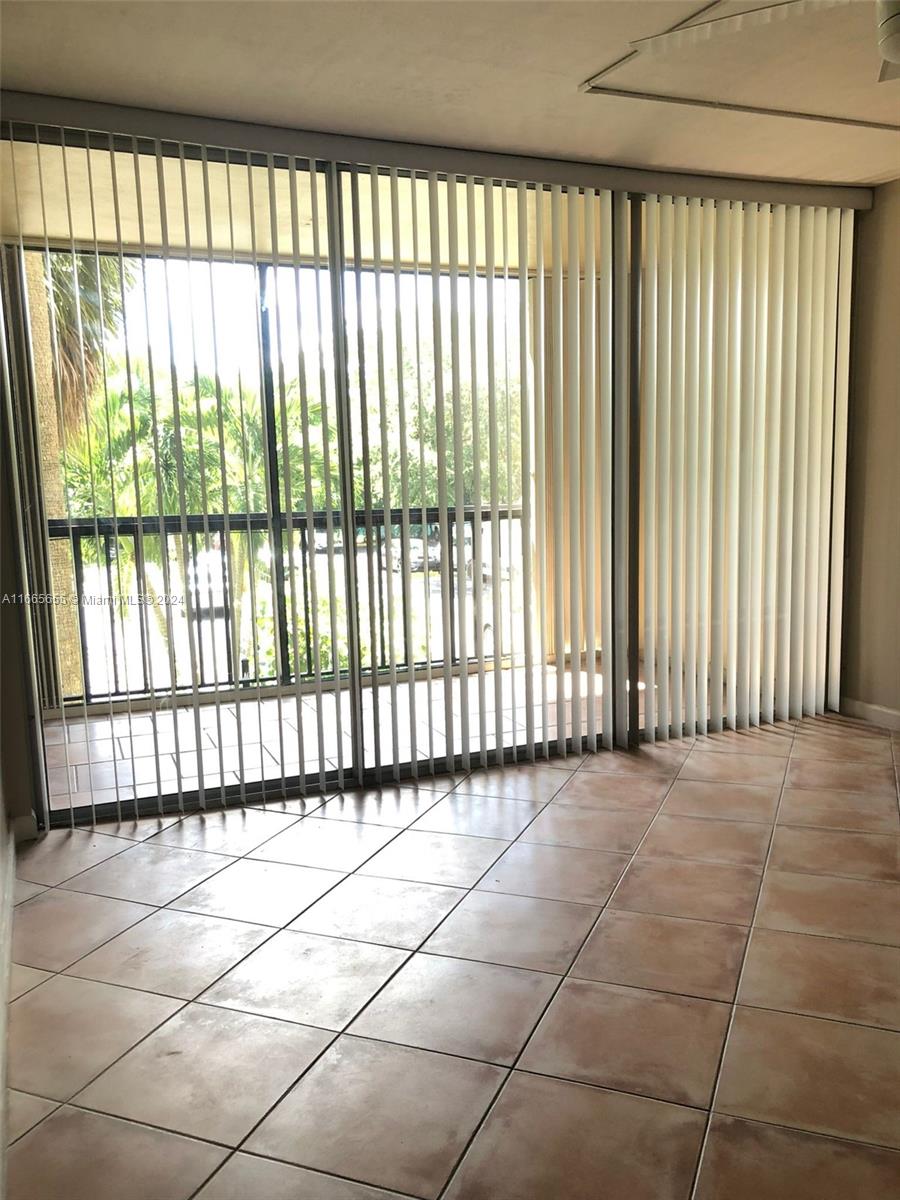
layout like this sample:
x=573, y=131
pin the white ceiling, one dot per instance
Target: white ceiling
x=495, y=75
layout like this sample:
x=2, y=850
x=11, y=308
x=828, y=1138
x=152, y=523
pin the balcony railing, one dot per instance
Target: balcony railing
x=119, y=575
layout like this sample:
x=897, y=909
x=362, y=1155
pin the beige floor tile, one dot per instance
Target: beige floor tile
x=740, y=843
x=705, y=891
x=591, y=789
x=668, y=954
x=631, y=1040
x=23, y=979
x=852, y=749
x=556, y=873
x=763, y=770
x=514, y=931
x=23, y=890
x=550, y=1138
x=177, y=1077
x=823, y=977
x=67, y=1030
x=589, y=828
x=655, y=759
x=842, y=777
x=479, y=816
x=62, y=853
x=448, y=858
x=523, y=782
x=330, y=845
x=302, y=977
x=150, y=874
x=839, y=810
x=776, y=743
x=478, y=1010
x=23, y=1112
x=57, y=927
x=385, y=1115
x=175, y=953
x=262, y=893
x=235, y=831
x=824, y=904
x=76, y=1155
x=394, y=806
x=391, y=912
x=726, y=801
x=744, y=1160
x=244, y=1177
x=833, y=852
x=823, y=1076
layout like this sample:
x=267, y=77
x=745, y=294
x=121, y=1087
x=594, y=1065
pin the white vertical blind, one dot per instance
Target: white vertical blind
x=745, y=379
x=370, y=436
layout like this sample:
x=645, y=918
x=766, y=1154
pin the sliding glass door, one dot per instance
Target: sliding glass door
x=334, y=473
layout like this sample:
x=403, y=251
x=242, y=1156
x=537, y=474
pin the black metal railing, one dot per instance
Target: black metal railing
x=188, y=545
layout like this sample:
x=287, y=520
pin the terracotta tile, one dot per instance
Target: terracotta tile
x=741, y=843
x=23, y=1112
x=245, y=1176
x=332, y=845
x=706, y=891
x=846, y=908
x=177, y=1077
x=67, y=1030
x=556, y=873
x=842, y=777
x=591, y=789
x=515, y=931
x=175, y=953
x=56, y=928
x=396, y=807
x=839, y=810
x=747, y=1161
x=828, y=852
x=658, y=759
x=62, y=853
x=23, y=890
x=727, y=801
x=263, y=893
x=523, y=782
x=852, y=750
x=23, y=979
x=85, y=1156
x=823, y=977
x=386, y=1115
x=631, y=1040
x=669, y=954
x=235, y=831
x=302, y=977
x=391, y=912
x=824, y=1076
x=149, y=874
x=769, y=741
x=478, y=1010
x=550, y=1138
x=447, y=858
x=479, y=816
x=589, y=828
x=763, y=770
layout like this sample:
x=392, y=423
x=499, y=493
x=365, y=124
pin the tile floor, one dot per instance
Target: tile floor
x=670, y=974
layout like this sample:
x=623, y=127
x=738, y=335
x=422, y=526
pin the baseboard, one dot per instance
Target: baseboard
x=876, y=714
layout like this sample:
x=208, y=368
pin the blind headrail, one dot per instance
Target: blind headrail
x=33, y=108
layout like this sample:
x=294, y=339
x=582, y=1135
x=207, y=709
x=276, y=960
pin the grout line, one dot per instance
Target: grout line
x=737, y=991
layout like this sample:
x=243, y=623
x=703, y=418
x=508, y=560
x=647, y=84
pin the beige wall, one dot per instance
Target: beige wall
x=871, y=655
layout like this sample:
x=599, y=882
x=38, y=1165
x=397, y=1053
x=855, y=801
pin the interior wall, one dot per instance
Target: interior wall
x=871, y=650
